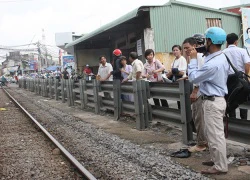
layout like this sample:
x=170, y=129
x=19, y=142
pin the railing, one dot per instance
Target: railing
x=107, y=96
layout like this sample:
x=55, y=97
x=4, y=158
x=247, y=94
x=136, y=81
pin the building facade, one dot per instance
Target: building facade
x=155, y=27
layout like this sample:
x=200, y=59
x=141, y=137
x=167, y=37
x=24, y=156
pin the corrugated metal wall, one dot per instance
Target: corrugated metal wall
x=172, y=24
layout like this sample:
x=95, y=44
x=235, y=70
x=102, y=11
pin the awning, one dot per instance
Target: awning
x=108, y=26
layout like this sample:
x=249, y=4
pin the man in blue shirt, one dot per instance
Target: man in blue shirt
x=212, y=78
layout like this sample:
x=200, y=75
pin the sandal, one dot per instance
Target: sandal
x=195, y=148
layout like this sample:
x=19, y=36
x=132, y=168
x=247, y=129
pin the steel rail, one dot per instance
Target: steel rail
x=71, y=158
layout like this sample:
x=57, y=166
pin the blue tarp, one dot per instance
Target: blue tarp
x=53, y=68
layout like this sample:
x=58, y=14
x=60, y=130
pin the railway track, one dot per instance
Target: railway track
x=82, y=170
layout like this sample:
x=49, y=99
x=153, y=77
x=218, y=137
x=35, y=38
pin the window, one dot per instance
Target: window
x=214, y=22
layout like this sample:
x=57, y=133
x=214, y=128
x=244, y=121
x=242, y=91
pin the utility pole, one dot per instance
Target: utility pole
x=39, y=57
x=46, y=52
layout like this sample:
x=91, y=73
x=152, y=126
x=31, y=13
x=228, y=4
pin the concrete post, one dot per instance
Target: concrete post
x=186, y=117
x=32, y=85
x=69, y=90
x=139, y=106
x=42, y=87
x=19, y=83
x=147, y=114
x=117, y=98
x=24, y=84
x=46, y=89
x=56, y=89
x=85, y=95
x=39, y=86
x=81, y=93
x=96, y=87
x=27, y=82
x=50, y=88
x=62, y=90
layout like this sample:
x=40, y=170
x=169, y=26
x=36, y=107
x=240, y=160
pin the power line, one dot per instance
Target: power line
x=49, y=45
x=15, y=1
x=28, y=45
x=9, y=49
x=49, y=50
x=31, y=41
x=17, y=45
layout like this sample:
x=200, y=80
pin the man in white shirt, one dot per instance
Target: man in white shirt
x=57, y=73
x=241, y=61
x=69, y=70
x=137, y=68
x=105, y=69
x=104, y=73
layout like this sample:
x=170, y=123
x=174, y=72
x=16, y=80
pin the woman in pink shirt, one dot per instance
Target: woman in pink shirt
x=153, y=72
x=125, y=71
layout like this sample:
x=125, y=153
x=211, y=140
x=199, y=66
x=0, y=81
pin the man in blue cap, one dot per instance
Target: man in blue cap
x=213, y=87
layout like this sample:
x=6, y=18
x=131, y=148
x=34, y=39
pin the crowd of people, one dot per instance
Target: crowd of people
x=203, y=62
x=206, y=66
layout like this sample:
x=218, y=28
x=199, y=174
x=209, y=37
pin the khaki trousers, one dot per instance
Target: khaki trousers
x=214, y=131
x=198, y=118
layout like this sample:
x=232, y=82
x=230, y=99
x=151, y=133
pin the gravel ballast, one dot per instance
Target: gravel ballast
x=25, y=153
x=106, y=155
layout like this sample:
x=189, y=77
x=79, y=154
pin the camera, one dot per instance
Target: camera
x=175, y=71
x=201, y=49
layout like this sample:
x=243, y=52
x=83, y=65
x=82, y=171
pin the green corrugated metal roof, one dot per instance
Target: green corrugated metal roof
x=176, y=21
x=233, y=7
x=199, y=7
x=106, y=27
x=134, y=13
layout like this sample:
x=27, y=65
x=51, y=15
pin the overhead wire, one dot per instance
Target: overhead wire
x=31, y=41
x=9, y=49
x=17, y=1
x=49, y=45
x=16, y=45
x=43, y=47
x=49, y=50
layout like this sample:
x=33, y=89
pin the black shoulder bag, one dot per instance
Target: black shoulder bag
x=238, y=88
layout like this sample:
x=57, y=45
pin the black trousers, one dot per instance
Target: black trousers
x=243, y=114
x=164, y=102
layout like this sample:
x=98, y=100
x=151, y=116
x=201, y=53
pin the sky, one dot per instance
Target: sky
x=22, y=21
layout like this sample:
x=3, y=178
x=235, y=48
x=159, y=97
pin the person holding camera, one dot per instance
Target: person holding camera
x=196, y=41
x=179, y=66
x=212, y=78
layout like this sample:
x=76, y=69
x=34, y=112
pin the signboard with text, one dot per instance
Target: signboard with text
x=68, y=61
x=246, y=27
x=33, y=65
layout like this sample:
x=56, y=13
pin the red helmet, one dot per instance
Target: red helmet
x=117, y=52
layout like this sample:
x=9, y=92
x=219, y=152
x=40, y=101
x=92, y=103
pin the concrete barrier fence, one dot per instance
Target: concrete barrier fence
x=109, y=95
